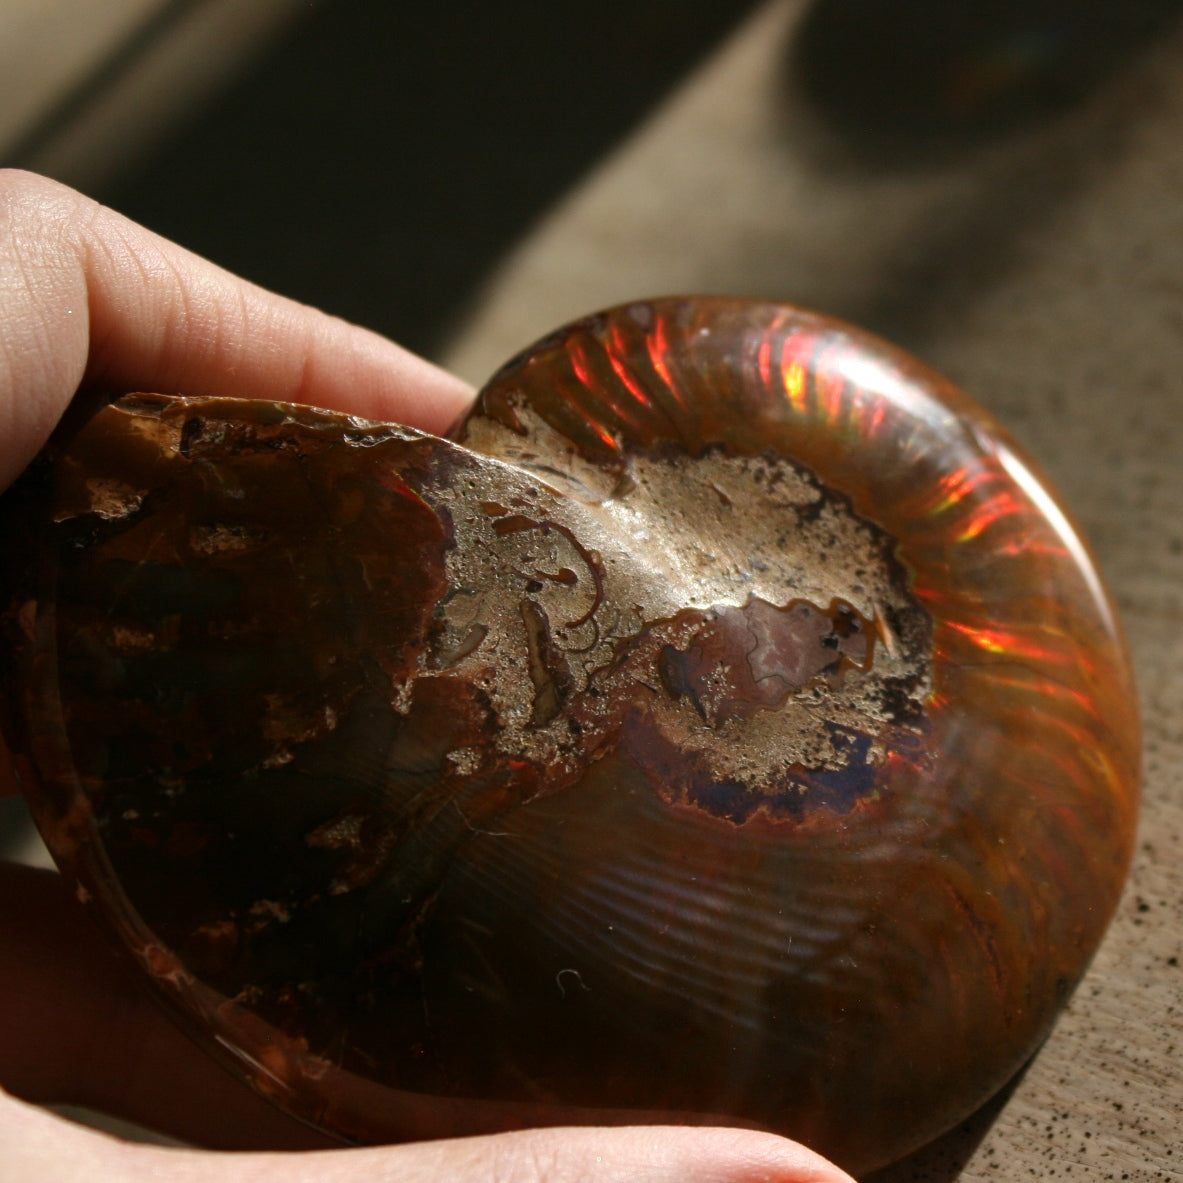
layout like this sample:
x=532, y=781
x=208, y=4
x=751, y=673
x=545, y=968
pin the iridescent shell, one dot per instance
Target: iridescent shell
x=728, y=726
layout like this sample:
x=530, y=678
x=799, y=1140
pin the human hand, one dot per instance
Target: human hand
x=89, y=298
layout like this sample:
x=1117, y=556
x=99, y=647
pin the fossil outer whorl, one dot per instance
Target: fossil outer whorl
x=728, y=726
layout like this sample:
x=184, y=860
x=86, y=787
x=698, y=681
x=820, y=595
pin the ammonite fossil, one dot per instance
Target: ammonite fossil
x=726, y=725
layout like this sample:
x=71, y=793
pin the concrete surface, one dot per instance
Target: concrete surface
x=86, y=88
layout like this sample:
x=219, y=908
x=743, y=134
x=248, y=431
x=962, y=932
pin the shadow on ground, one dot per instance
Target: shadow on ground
x=381, y=157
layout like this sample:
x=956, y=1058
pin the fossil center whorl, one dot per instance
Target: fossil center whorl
x=785, y=663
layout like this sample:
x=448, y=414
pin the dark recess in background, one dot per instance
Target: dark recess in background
x=379, y=159
x=908, y=82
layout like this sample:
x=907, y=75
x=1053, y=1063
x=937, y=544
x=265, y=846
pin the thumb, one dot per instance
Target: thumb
x=41, y=1146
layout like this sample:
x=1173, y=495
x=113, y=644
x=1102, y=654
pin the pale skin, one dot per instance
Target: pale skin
x=88, y=298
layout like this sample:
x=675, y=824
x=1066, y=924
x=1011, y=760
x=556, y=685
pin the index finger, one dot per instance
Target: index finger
x=88, y=296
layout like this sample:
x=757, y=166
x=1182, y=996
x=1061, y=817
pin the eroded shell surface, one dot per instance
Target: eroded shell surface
x=728, y=725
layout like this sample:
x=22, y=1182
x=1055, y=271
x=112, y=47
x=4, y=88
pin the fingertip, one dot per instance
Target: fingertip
x=653, y=1154
x=360, y=372
x=725, y=1155
x=760, y=1156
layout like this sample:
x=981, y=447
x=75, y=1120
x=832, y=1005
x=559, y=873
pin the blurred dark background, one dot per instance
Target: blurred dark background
x=907, y=81
x=376, y=158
